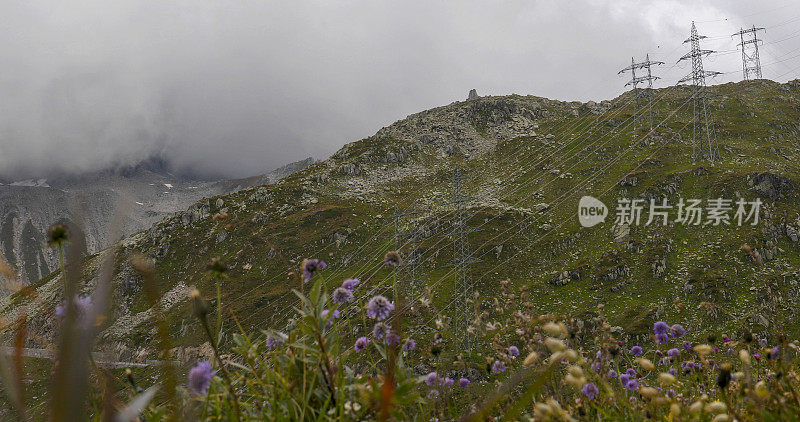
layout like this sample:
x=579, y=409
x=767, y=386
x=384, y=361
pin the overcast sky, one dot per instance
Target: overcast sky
x=234, y=88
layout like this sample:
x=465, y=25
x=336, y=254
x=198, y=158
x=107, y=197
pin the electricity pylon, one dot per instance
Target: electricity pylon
x=700, y=121
x=638, y=94
x=751, y=63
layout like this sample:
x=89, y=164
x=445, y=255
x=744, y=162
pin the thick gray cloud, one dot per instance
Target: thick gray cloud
x=238, y=87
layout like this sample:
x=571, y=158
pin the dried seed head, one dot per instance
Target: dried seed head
x=666, y=379
x=532, y=358
x=554, y=344
x=702, y=349
x=575, y=370
x=57, y=234
x=744, y=356
x=761, y=390
x=553, y=330
x=648, y=392
x=646, y=364
x=142, y=264
x=574, y=381
x=392, y=259
x=217, y=266
x=716, y=407
x=200, y=305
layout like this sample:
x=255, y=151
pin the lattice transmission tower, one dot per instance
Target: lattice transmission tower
x=645, y=94
x=702, y=132
x=407, y=242
x=751, y=63
x=463, y=286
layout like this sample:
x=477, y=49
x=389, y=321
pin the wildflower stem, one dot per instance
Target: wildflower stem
x=61, y=264
x=222, y=366
x=219, y=307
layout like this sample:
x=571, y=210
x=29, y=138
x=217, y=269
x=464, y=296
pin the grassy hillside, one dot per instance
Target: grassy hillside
x=528, y=160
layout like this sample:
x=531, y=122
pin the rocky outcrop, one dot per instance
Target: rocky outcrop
x=564, y=277
x=770, y=185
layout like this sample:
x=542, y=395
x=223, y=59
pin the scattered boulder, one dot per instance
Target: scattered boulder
x=620, y=232
x=473, y=95
x=564, y=277
x=350, y=169
x=659, y=267
x=616, y=273
x=770, y=185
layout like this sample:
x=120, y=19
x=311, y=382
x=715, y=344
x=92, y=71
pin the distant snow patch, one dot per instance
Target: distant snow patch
x=41, y=183
x=169, y=186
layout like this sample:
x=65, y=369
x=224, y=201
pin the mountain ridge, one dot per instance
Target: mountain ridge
x=530, y=159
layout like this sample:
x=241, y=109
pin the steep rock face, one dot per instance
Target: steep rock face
x=29, y=208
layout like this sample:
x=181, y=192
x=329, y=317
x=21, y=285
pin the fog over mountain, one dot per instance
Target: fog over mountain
x=233, y=89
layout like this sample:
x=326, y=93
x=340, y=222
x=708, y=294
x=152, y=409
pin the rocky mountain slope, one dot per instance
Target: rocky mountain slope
x=29, y=207
x=527, y=161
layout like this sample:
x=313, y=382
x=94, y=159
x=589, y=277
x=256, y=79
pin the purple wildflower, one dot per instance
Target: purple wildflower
x=361, y=344
x=379, y=308
x=447, y=382
x=342, y=295
x=624, y=378
x=463, y=382
x=498, y=366
x=409, y=345
x=662, y=338
x=392, y=339
x=275, y=341
x=350, y=283
x=200, y=377
x=380, y=329
x=677, y=330
x=590, y=390
x=773, y=353
x=333, y=315
x=763, y=341
x=673, y=372
x=432, y=378
x=612, y=373
x=687, y=345
x=83, y=304
x=311, y=266
x=597, y=366
x=673, y=353
x=433, y=394
x=636, y=350
x=512, y=351
x=631, y=372
x=632, y=385
x=660, y=327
